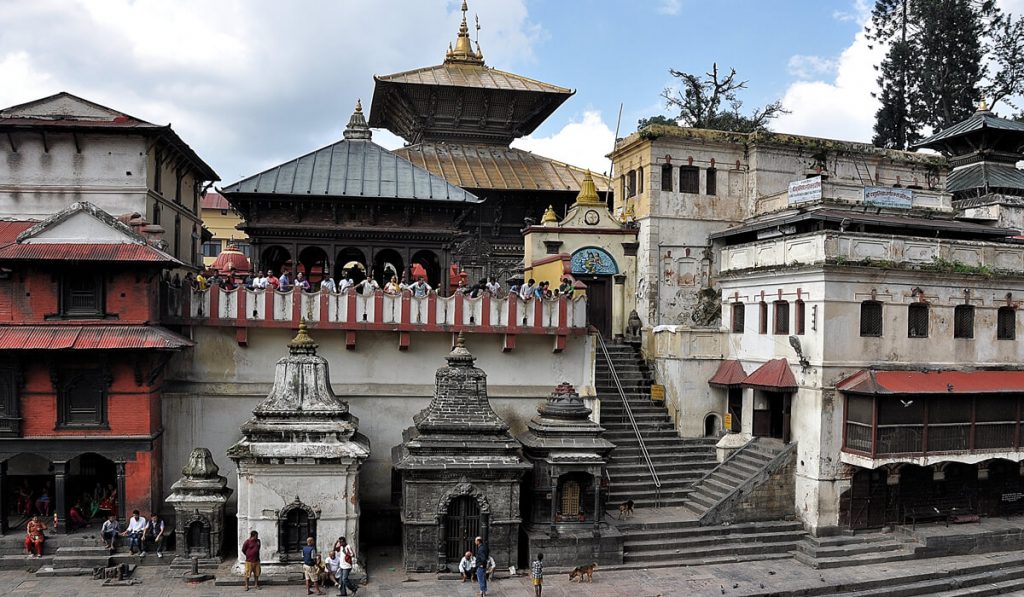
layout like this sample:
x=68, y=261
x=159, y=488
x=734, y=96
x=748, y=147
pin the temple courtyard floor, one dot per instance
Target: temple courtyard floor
x=981, y=574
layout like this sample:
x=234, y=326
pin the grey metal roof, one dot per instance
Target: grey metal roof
x=979, y=120
x=985, y=174
x=352, y=167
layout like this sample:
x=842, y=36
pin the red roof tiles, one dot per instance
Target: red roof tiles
x=774, y=375
x=91, y=337
x=214, y=201
x=868, y=381
x=84, y=252
x=9, y=231
x=730, y=374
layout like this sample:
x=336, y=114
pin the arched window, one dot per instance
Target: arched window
x=963, y=321
x=1006, y=324
x=917, y=320
x=871, y=319
x=630, y=183
x=666, y=177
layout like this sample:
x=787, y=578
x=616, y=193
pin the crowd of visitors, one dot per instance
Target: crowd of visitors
x=141, y=533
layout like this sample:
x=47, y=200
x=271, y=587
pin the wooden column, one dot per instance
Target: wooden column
x=60, y=476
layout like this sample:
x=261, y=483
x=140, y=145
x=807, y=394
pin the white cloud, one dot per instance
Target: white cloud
x=670, y=7
x=30, y=82
x=859, y=12
x=809, y=67
x=581, y=143
x=840, y=108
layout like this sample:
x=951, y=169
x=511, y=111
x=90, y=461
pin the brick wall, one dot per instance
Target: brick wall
x=138, y=484
x=30, y=295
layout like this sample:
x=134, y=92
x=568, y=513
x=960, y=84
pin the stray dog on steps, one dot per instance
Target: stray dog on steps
x=625, y=509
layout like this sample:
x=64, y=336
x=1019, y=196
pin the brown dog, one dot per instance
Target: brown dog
x=582, y=571
x=625, y=509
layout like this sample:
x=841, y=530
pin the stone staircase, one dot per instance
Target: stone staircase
x=687, y=543
x=679, y=462
x=855, y=549
x=710, y=496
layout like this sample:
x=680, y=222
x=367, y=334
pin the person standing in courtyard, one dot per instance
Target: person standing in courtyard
x=251, y=551
x=483, y=553
x=348, y=560
x=309, y=567
x=537, y=573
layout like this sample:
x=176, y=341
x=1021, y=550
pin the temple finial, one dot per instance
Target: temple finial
x=983, y=105
x=463, y=52
x=359, y=106
x=549, y=216
x=460, y=340
x=302, y=343
x=588, y=191
x=357, y=127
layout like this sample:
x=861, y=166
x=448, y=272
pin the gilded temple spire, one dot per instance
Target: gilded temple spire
x=463, y=52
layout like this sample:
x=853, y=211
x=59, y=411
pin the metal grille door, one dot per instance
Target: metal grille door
x=462, y=525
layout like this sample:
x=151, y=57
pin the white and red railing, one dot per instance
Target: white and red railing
x=352, y=312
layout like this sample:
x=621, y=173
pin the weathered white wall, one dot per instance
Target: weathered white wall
x=686, y=359
x=213, y=389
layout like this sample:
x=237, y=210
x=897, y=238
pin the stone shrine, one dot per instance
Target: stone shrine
x=461, y=470
x=298, y=462
x=569, y=457
x=198, y=499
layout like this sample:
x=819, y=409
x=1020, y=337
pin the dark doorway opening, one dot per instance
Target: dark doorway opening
x=772, y=420
x=736, y=408
x=462, y=526
x=599, y=303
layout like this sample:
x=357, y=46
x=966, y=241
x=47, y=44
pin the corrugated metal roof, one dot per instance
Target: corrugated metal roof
x=471, y=75
x=9, y=230
x=870, y=381
x=92, y=337
x=352, y=168
x=774, y=375
x=214, y=201
x=730, y=373
x=497, y=167
x=84, y=252
x=977, y=121
x=985, y=174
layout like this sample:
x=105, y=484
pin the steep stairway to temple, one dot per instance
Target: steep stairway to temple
x=678, y=462
x=710, y=496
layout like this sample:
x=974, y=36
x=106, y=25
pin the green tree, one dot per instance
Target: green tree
x=711, y=101
x=657, y=119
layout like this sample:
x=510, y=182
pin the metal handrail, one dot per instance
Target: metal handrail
x=632, y=421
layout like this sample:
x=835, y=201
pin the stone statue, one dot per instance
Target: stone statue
x=633, y=327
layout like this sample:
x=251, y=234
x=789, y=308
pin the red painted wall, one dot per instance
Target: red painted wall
x=31, y=295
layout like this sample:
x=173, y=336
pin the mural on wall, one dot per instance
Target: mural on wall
x=593, y=261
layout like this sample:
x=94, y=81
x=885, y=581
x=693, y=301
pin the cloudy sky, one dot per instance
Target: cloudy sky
x=252, y=83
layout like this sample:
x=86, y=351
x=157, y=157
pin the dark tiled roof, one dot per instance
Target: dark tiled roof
x=979, y=120
x=471, y=75
x=985, y=174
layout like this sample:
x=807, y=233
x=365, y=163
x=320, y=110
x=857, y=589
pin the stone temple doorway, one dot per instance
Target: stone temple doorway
x=462, y=526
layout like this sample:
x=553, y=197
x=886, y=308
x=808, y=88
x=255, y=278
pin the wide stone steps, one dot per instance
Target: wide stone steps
x=728, y=477
x=691, y=543
x=978, y=584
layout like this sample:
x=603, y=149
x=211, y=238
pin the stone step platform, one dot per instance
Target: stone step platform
x=25, y=563
x=81, y=557
x=183, y=564
x=978, y=584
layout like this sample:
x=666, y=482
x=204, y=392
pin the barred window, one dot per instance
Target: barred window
x=917, y=320
x=666, y=177
x=711, y=180
x=871, y=318
x=1006, y=324
x=963, y=321
x=737, y=318
x=631, y=183
x=689, y=179
x=781, y=317
x=762, y=323
x=800, y=317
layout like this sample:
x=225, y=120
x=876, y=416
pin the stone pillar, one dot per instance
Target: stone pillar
x=485, y=526
x=554, y=506
x=121, y=497
x=442, y=539
x=747, y=416
x=60, y=475
x=618, y=306
x=597, y=508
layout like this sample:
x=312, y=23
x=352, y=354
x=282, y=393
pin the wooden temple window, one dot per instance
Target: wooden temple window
x=871, y=319
x=570, y=502
x=781, y=326
x=1006, y=324
x=762, y=319
x=689, y=179
x=711, y=181
x=10, y=412
x=666, y=177
x=738, y=316
x=82, y=398
x=81, y=294
x=963, y=321
x=917, y=320
x=800, y=317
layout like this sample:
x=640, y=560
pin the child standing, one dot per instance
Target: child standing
x=537, y=573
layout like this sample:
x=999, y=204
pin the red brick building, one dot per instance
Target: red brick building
x=81, y=360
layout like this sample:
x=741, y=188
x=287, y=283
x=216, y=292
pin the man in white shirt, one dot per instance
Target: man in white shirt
x=528, y=289
x=348, y=560
x=368, y=287
x=344, y=284
x=467, y=566
x=328, y=285
x=333, y=563
x=137, y=526
x=420, y=288
x=109, y=531
x=493, y=287
x=259, y=282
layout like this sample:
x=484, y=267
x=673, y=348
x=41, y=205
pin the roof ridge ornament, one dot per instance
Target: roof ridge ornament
x=588, y=191
x=983, y=105
x=357, y=127
x=463, y=52
x=303, y=343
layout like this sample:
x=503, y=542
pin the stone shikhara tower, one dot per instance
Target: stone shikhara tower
x=461, y=470
x=298, y=461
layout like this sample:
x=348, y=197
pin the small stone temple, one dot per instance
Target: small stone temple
x=461, y=471
x=569, y=457
x=298, y=461
x=198, y=499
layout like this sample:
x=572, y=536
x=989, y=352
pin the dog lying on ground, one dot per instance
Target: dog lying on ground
x=581, y=571
x=625, y=509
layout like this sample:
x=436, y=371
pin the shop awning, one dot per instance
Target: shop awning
x=91, y=337
x=773, y=376
x=730, y=374
x=870, y=381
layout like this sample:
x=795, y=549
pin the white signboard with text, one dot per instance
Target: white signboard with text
x=802, y=191
x=888, y=197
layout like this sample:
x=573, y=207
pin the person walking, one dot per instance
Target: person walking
x=348, y=560
x=309, y=567
x=537, y=573
x=251, y=551
x=483, y=553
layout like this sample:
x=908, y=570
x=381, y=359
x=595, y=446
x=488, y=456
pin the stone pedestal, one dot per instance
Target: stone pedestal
x=198, y=499
x=729, y=443
x=298, y=463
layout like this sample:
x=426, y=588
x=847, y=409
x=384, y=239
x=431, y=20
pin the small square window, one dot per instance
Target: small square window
x=917, y=320
x=689, y=179
x=82, y=398
x=81, y=294
x=871, y=319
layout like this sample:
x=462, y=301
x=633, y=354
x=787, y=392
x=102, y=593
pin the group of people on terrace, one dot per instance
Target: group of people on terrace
x=140, y=532
x=32, y=502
